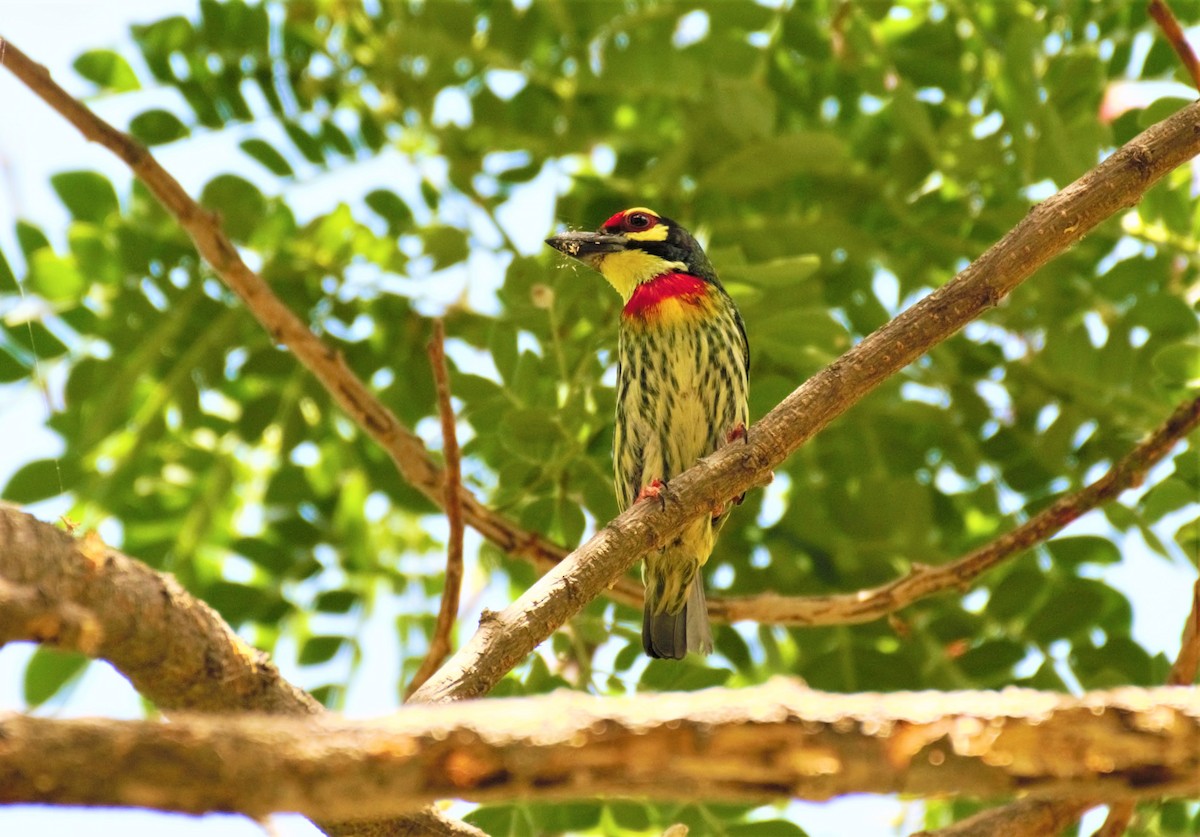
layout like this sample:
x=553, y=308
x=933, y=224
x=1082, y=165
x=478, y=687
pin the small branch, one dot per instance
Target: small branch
x=1120, y=814
x=759, y=744
x=1026, y=818
x=923, y=581
x=27, y=613
x=439, y=647
x=1165, y=18
x=1183, y=671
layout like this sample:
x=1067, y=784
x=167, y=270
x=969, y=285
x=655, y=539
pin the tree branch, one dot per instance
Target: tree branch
x=1169, y=24
x=27, y=613
x=406, y=449
x=81, y=595
x=922, y=580
x=1025, y=818
x=764, y=743
x=439, y=647
x=175, y=650
x=1050, y=228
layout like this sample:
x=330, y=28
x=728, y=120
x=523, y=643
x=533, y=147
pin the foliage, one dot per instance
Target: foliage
x=388, y=160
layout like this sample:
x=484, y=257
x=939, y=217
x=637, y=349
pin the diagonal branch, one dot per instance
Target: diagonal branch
x=758, y=744
x=1049, y=229
x=406, y=449
x=1169, y=24
x=439, y=647
x=1026, y=818
x=923, y=581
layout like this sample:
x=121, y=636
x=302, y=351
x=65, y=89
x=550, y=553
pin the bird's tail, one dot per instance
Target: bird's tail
x=671, y=635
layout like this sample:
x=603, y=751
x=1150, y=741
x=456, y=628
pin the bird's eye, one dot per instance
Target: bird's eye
x=638, y=221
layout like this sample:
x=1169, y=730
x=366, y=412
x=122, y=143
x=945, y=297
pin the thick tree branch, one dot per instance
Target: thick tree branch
x=439, y=647
x=27, y=613
x=759, y=744
x=1050, y=228
x=81, y=595
x=923, y=580
x=175, y=650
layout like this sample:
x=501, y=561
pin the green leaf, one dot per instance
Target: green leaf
x=48, y=671
x=54, y=277
x=1083, y=549
x=158, y=127
x=447, y=245
x=11, y=369
x=390, y=207
x=766, y=828
x=778, y=272
x=265, y=153
x=1179, y=364
x=107, y=69
x=681, y=676
x=8, y=282
x=87, y=195
x=30, y=238
x=769, y=162
x=320, y=649
x=1069, y=609
x=34, y=337
x=40, y=480
x=337, y=601
x=238, y=202
x=237, y=602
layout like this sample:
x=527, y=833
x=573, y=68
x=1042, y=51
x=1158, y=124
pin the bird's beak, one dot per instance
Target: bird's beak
x=583, y=245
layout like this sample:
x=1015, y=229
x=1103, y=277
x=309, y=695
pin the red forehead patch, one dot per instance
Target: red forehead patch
x=631, y=220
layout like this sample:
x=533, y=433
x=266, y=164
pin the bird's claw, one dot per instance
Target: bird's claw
x=655, y=489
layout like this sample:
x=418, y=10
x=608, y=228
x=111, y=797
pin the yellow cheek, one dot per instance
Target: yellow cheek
x=628, y=269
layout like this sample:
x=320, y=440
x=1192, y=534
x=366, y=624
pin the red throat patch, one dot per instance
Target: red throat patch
x=682, y=287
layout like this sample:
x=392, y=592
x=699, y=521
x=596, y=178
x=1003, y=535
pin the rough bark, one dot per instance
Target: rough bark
x=765, y=743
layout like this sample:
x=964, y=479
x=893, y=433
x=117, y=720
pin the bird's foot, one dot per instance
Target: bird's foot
x=738, y=432
x=653, y=490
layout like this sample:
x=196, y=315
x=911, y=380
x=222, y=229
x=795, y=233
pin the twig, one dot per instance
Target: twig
x=1165, y=18
x=1183, y=671
x=757, y=744
x=923, y=581
x=439, y=647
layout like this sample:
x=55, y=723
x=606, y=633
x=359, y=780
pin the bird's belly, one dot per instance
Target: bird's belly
x=672, y=406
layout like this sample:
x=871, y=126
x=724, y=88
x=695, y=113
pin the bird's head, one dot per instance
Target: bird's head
x=635, y=246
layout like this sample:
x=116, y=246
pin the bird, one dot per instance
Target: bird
x=683, y=366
